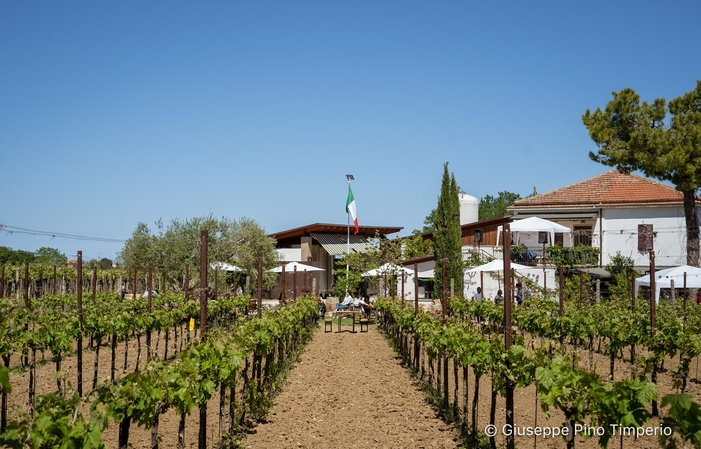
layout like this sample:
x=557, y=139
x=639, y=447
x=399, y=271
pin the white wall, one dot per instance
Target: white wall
x=290, y=254
x=620, y=233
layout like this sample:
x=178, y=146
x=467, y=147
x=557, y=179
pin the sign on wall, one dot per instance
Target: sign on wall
x=645, y=238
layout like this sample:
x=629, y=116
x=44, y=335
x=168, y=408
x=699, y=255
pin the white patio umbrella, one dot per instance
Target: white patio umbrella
x=224, y=266
x=387, y=268
x=495, y=265
x=290, y=268
x=663, y=279
x=533, y=225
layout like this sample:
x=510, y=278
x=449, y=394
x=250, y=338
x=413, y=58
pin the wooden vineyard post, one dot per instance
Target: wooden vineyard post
x=26, y=285
x=53, y=286
x=653, y=325
x=216, y=283
x=203, y=284
x=260, y=285
x=80, y=323
x=149, y=286
x=283, y=296
x=416, y=312
x=2, y=282
x=508, y=302
x=25, y=296
x=562, y=291
x=444, y=306
x=294, y=284
x=416, y=289
x=202, y=440
x=684, y=300
x=93, y=285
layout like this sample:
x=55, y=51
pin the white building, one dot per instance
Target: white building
x=604, y=212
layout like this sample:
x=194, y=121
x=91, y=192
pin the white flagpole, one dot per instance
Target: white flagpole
x=347, y=243
x=349, y=178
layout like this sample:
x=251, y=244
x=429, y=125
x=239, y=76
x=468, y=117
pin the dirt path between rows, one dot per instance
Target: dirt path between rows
x=349, y=390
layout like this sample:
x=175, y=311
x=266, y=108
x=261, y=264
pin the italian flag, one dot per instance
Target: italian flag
x=350, y=208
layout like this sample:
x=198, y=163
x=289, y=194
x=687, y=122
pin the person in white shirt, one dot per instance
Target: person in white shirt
x=347, y=301
x=499, y=298
x=360, y=303
x=478, y=295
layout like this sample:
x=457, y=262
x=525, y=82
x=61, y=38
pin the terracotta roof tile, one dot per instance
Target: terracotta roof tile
x=612, y=189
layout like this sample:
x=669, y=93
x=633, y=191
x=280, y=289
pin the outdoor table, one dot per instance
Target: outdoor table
x=340, y=314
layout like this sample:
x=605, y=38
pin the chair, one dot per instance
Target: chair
x=364, y=323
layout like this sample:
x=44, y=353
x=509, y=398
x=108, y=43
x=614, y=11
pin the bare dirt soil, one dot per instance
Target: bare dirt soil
x=350, y=390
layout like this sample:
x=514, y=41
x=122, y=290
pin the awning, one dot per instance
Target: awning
x=337, y=244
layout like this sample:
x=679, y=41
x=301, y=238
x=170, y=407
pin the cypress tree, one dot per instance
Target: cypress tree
x=447, y=236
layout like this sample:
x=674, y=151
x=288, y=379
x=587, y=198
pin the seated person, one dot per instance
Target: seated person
x=347, y=301
x=364, y=307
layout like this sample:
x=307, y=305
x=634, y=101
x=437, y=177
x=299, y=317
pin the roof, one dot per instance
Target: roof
x=328, y=228
x=337, y=244
x=609, y=189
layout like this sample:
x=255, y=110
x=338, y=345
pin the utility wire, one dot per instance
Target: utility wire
x=17, y=230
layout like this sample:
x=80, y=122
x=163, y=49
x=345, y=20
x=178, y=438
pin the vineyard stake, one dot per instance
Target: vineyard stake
x=444, y=302
x=284, y=276
x=26, y=285
x=416, y=289
x=202, y=440
x=294, y=284
x=508, y=301
x=80, y=323
x=260, y=284
x=562, y=291
x=53, y=289
x=25, y=294
x=203, y=284
x=94, y=284
x=216, y=284
x=149, y=285
x=653, y=325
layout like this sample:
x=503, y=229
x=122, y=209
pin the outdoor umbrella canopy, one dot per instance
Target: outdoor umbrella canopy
x=663, y=279
x=224, y=266
x=290, y=268
x=387, y=268
x=533, y=225
x=495, y=265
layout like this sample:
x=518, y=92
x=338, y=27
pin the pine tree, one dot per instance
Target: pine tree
x=447, y=235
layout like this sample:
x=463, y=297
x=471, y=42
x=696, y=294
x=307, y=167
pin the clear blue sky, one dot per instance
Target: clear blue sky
x=112, y=113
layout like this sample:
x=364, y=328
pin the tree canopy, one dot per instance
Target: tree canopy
x=491, y=207
x=44, y=255
x=661, y=140
x=448, y=234
x=50, y=256
x=177, y=245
